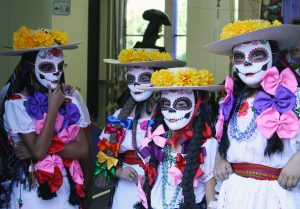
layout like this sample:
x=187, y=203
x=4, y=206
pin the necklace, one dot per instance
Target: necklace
x=167, y=162
x=233, y=125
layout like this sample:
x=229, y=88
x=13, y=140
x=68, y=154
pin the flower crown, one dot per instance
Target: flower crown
x=245, y=26
x=186, y=77
x=25, y=38
x=132, y=55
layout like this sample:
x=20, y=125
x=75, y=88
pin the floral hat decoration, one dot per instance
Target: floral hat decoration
x=182, y=78
x=286, y=35
x=145, y=58
x=27, y=40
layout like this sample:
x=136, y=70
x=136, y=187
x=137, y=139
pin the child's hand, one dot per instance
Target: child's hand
x=290, y=173
x=222, y=168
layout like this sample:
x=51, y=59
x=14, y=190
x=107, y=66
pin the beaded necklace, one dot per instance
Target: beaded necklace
x=167, y=162
x=233, y=125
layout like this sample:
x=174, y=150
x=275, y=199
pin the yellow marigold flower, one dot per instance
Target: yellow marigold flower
x=184, y=77
x=132, y=55
x=60, y=37
x=18, y=37
x=162, y=78
x=205, y=78
x=245, y=26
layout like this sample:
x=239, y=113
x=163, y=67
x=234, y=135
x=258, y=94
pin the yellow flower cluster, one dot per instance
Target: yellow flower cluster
x=245, y=26
x=186, y=77
x=26, y=38
x=132, y=55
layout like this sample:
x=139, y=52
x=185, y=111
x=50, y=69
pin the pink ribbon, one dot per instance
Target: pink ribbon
x=68, y=134
x=220, y=126
x=143, y=125
x=39, y=124
x=270, y=121
x=76, y=172
x=228, y=88
x=176, y=175
x=141, y=192
x=49, y=163
x=155, y=136
x=272, y=79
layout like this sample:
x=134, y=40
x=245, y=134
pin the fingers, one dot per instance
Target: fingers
x=49, y=89
x=58, y=88
x=282, y=180
x=229, y=168
x=289, y=183
x=129, y=174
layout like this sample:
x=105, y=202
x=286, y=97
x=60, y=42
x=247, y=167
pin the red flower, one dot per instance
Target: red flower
x=56, y=52
x=243, y=109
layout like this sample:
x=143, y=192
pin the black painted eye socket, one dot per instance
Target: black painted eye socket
x=238, y=57
x=144, y=78
x=165, y=104
x=258, y=55
x=61, y=66
x=47, y=67
x=182, y=103
x=130, y=79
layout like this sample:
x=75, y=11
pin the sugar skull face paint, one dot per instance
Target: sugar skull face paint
x=251, y=60
x=139, y=76
x=49, y=67
x=177, y=108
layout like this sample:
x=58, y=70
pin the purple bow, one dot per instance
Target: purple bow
x=227, y=106
x=283, y=101
x=37, y=105
x=71, y=114
x=153, y=151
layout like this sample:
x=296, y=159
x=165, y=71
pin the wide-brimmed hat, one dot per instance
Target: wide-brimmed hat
x=285, y=35
x=145, y=58
x=28, y=40
x=182, y=78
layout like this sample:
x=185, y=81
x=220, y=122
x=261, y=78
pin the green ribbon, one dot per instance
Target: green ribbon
x=108, y=173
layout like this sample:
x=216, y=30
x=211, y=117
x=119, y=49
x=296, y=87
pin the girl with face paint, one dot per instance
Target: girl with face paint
x=179, y=150
x=258, y=121
x=42, y=123
x=123, y=132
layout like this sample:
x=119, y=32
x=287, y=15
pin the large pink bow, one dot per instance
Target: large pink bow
x=219, y=126
x=39, y=124
x=228, y=88
x=49, y=163
x=68, y=134
x=76, y=172
x=272, y=79
x=155, y=136
x=141, y=192
x=270, y=121
x=176, y=175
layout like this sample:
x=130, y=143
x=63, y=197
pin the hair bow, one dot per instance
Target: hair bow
x=270, y=121
x=76, y=172
x=118, y=132
x=68, y=134
x=110, y=161
x=272, y=79
x=155, y=137
x=220, y=126
x=284, y=100
x=57, y=145
x=39, y=123
x=227, y=103
x=153, y=151
x=151, y=171
x=105, y=145
x=125, y=123
x=141, y=192
x=108, y=173
x=49, y=162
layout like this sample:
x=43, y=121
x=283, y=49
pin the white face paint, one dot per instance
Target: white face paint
x=49, y=67
x=177, y=108
x=139, y=76
x=251, y=60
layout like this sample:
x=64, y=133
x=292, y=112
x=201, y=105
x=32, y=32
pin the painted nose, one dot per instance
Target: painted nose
x=135, y=84
x=56, y=74
x=247, y=63
x=171, y=110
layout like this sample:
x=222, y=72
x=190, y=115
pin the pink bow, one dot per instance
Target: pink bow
x=141, y=192
x=143, y=125
x=270, y=121
x=68, y=134
x=176, y=175
x=49, y=163
x=76, y=172
x=39, y=124
x=272, y=79
x=219, y=126
x=228, y=88
x=155, y=136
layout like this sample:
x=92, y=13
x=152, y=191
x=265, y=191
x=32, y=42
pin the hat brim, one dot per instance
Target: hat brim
x=285, y=35
x=16, y=52
x=158, y=64
x=202, y=88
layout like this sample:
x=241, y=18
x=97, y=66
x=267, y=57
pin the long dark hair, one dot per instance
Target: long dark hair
x=274, y=144
x=192, y=160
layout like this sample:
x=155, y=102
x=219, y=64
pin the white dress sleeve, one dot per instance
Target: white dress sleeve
x=16, y=119
x=211, y=146
x=104, y=135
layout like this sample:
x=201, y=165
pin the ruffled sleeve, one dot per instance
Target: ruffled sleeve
x=211, y=147
x=16, y=119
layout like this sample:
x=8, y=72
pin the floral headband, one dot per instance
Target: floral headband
x=186, y=77
x=133, y=55
x=25, y=38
